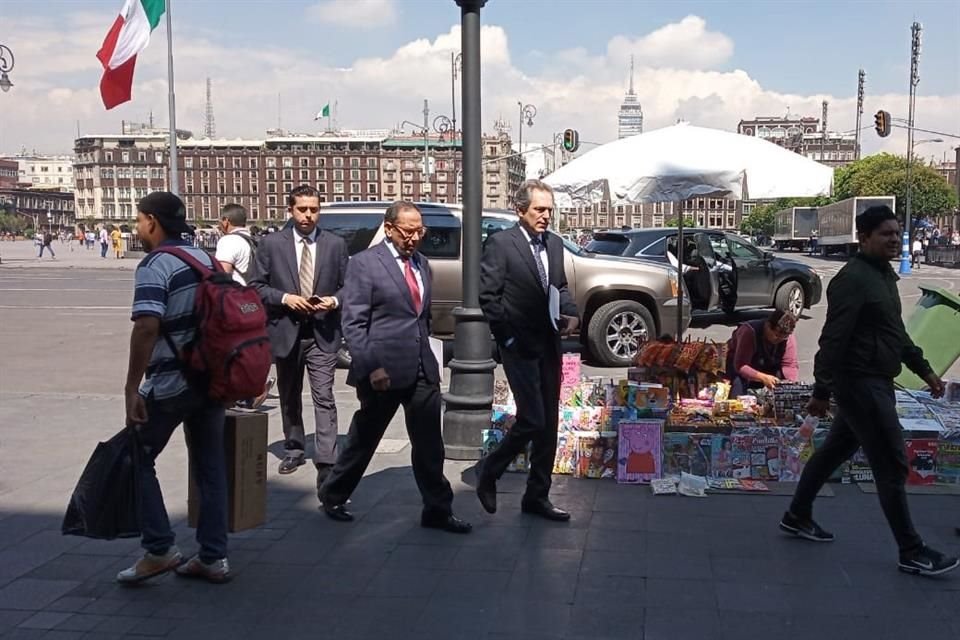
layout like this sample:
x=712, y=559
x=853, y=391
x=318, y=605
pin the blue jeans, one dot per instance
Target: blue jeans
x=48, y=248
x=203, y=428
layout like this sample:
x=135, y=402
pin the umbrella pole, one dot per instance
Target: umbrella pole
x=680, y=278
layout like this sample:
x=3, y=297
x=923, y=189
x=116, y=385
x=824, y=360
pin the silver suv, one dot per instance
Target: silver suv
x=621, y=300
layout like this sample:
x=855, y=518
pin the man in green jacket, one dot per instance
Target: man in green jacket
x=862, y=346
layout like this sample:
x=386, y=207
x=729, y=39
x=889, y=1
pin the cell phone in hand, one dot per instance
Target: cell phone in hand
x=314, y=299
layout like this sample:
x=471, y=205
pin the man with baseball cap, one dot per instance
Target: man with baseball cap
x=862, y=346
x=158, y=398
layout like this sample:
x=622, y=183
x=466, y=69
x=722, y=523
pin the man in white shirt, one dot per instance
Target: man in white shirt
x=236, y=245
x=917, y=252
x=235, y=250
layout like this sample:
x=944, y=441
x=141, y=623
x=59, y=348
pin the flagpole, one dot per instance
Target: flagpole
x=174, y=178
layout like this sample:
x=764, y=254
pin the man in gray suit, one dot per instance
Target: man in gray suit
x=386, y=322
x=299, y=273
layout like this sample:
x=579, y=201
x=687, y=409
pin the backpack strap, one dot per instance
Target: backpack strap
x=201, y=269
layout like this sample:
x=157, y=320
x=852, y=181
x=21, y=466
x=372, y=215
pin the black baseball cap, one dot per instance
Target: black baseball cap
x=169, y=211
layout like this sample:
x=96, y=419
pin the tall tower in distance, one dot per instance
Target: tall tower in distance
x=209, y=124
x=630, y=118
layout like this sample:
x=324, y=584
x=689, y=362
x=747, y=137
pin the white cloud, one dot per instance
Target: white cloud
x=360, y=14
x=683, y=45
x=56, y=81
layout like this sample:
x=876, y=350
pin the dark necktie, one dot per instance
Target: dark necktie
x=412, y=284
x=538, y=248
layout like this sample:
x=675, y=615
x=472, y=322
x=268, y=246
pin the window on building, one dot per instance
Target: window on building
x=408, y=189
x=221, y=163
x=338, y=162
x=287, y=187
x=236, y=163
x=372, y=187
x=338, y=187
x=271, y=162
x=204, y=163
x=141, y=156
x=288, y=162
x=288, y=174
x=355, y=173
x=271, y=200
x=371, y=162
x=338, y=174
x=391, y=190
x=322, y=187
x=338, y=198
x=304, y=162
x=354, y=187
x=407, y=176
x=321, y=174
x=188, y=163
x=254, y=163
x=354, y=162
x=271, y=187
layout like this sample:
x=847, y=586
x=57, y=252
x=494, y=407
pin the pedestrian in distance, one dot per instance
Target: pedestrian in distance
x=521, y=278
x=916, y=253
x=862, y=346
x=104, y=241
x=386, y=322
x=299, y=274
x=46, y=242
x=158, y=398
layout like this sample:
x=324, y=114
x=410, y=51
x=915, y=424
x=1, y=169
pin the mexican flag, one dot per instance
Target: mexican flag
x=129, y=35
x=323, y=113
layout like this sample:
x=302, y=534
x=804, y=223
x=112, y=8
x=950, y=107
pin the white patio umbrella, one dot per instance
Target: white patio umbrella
x=684, y=161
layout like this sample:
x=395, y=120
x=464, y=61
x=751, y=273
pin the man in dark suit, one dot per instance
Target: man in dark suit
x=386, y=322
x=521, y=271
x=299, y=273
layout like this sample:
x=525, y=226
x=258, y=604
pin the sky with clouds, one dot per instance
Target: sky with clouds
x=710, y=63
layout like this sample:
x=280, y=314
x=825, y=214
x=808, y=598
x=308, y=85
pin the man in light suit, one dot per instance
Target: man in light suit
x=521, y=268
x=299, y=273
x=386, y=322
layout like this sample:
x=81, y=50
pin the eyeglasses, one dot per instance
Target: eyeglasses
x=409, y=234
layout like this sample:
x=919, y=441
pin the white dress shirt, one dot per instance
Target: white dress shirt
x=543, y=254
x=402, y=265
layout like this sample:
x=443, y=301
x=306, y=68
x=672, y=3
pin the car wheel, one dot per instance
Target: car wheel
x=791, y=298
x=616, y=331
x=343, y=357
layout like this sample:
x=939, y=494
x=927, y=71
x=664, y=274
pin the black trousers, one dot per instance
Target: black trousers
x=867, y=418
x=421, y=408
x=535, y=382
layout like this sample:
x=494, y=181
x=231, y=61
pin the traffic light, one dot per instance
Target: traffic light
x=571, y=140
x=881, y=122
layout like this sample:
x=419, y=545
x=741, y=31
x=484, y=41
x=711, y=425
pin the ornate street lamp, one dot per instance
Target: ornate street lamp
x=6, y=65
x=527, y=113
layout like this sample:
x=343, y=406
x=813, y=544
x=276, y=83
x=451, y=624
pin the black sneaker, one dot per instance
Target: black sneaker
x=927, y=562
x=804, y=528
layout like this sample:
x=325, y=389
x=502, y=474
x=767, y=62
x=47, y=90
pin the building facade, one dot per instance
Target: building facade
x=44, y=172
x=711, y=213
x=9, y=173
x=113, y=172
x=54, y=209
x=805, y=136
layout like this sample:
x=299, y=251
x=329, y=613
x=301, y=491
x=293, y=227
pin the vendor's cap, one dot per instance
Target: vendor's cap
x=783, y=321
x=873, y=217
x=169, y=211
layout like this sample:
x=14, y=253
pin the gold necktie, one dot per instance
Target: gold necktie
x=306, y=269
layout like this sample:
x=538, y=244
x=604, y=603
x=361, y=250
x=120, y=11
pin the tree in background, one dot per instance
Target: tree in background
x=675, y=221
x=885, y=174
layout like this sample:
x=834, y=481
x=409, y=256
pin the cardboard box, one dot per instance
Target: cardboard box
x=245, y=445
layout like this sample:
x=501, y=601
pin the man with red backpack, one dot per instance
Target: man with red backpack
x=186, y=312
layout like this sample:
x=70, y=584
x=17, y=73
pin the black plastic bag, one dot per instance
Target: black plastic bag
x=106, y=502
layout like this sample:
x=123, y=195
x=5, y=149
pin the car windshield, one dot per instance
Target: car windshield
x=573, y=247
x=608, y=244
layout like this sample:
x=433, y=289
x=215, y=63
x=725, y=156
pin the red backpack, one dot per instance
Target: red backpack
x=230, y=355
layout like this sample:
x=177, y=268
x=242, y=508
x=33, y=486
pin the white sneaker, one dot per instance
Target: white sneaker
x=217, y=571
x=151, y=566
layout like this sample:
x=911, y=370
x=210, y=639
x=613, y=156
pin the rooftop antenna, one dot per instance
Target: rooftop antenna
x=209, y=124
x=630, y=91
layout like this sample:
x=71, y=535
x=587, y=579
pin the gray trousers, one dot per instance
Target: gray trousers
x=320, y=368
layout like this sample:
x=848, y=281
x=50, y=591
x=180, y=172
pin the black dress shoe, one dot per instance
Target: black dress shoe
x=544, y=509
x=486, y=491
x=450, y=524
x=338, y=513
x=291, y=463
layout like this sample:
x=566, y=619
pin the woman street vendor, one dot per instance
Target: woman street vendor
x=762, y=353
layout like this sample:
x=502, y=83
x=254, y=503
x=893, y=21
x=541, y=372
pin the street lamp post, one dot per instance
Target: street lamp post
x=6, y=66
x=527, y=112
x=470, y=395
x=906, y=247
x=456, y=62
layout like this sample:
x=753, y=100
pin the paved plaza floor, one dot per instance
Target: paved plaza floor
x=629, y=566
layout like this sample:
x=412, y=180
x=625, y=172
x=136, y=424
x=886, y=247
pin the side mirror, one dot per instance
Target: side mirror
x=768, y=257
